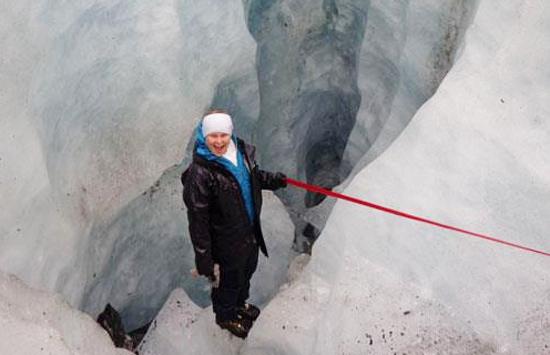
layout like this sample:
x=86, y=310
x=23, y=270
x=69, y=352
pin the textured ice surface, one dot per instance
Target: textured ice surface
x=474, y=156
x=34, y=322
x=401, y=68
x=359, y=309
x=98, y=99
x=333, y=74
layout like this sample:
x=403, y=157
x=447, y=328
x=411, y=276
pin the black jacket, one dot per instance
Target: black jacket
x=219, y=225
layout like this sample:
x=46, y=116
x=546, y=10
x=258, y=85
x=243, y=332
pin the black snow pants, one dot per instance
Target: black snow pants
x=234, y=287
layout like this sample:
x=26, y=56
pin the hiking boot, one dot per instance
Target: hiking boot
x=249, y=311
x=238, y=327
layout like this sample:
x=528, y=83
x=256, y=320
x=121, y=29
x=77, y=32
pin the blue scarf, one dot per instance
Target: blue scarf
x=240, y=172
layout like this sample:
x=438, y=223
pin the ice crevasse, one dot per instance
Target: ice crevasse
x=474, y=156
x=99, y=100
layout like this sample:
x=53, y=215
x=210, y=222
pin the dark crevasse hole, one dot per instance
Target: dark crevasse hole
x=309, y=234
x=332, y=116
x=307, y=62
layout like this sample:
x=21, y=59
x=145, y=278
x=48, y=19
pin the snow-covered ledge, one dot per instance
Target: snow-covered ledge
x=34, y=322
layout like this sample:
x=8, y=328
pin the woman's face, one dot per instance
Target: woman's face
x=218, y=143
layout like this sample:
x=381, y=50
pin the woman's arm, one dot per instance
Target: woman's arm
x=196, y=195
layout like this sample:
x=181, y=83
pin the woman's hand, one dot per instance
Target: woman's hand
x=214, y=277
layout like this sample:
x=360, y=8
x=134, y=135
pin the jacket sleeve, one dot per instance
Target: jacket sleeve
x=270, y=181
x=196, y=195
x=267, y=180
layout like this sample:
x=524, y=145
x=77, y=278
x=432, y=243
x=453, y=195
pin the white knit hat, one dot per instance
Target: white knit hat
x=217, y=123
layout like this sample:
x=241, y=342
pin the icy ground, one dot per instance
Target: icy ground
x=36, y=322
x=183, y=328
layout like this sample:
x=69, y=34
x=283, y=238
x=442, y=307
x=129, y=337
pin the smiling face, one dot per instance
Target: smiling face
x=218, y=143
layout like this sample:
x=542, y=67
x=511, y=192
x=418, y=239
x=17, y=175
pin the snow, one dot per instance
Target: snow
x=35, y=322
x=364, y=310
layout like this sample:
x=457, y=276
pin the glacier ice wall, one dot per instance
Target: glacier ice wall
x=474, y=156
x=336, y=77
x=35, y=322
x=100, y=98
x=403, y=68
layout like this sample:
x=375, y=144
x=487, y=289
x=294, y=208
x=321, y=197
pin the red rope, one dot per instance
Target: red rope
x=320, y=190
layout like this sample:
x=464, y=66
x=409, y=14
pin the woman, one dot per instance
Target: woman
x=222, y=192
